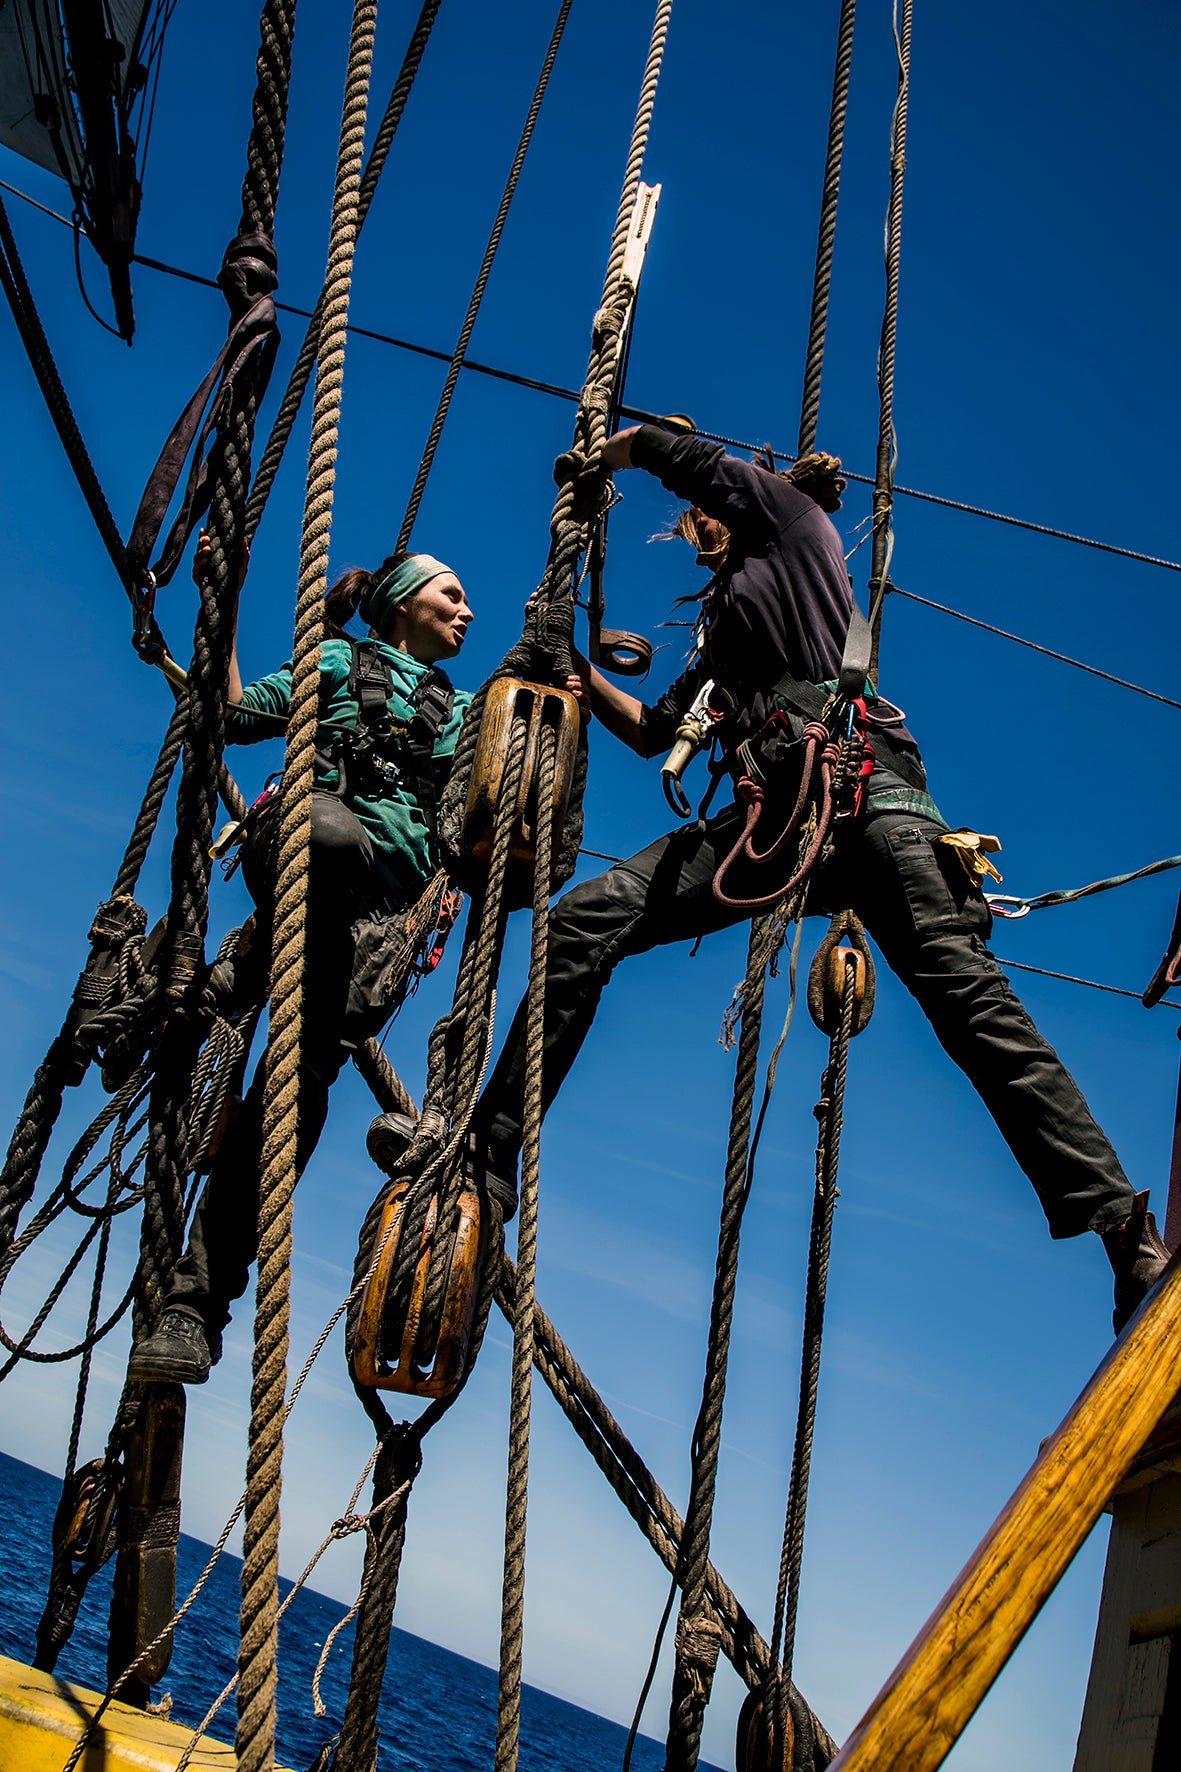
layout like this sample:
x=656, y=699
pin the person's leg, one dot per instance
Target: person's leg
x=223, y=1234
x=932, y=925
x=662, y=895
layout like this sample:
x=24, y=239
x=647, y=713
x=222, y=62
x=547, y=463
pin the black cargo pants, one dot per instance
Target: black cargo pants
x=931, y=925
x=343, y=886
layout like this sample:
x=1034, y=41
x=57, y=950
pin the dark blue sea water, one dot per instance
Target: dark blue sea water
x=439, y=1709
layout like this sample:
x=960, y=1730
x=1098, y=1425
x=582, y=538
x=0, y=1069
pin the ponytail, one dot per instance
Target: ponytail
x=343, y=599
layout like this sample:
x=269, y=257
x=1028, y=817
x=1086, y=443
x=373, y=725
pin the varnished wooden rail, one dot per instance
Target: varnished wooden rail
x=931, y=1696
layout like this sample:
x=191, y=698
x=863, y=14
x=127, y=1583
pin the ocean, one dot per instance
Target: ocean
x=438, y=1711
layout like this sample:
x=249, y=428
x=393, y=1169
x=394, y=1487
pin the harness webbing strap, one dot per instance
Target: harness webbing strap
x=371, y=684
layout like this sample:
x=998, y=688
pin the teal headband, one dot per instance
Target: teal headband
x=394, y=586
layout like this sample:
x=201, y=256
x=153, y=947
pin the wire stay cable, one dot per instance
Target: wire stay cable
x=556, y=391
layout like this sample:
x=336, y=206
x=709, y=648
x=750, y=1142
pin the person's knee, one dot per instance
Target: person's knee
x=592, y=921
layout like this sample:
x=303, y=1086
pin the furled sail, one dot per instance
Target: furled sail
x=77, y=81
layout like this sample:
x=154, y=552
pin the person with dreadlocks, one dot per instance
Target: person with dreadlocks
x=388, y=722
x=772, y=631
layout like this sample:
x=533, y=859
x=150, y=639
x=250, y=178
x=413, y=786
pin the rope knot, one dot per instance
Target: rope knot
x=699, y=1640
x=116, y=920
x=748, y=791
x=249, y=271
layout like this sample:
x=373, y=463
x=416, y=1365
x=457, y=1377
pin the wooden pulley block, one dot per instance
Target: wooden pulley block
x=844, y=941
x=383, y=1355
x=757, y=1747
x=509, y=700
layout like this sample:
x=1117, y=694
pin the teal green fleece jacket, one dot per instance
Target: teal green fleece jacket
x=395, y=822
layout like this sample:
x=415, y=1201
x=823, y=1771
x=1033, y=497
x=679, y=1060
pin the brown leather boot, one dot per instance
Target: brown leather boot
x=1138, y=1258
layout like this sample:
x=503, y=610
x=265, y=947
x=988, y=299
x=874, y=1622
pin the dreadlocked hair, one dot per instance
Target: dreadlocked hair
x=343, y=598
x=818, y=475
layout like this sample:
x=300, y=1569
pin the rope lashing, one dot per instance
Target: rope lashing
x=254, y=1738
x=477, y=295
x=883, y=485
x=284, y=421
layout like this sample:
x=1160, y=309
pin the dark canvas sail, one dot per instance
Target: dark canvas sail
x=76, y=84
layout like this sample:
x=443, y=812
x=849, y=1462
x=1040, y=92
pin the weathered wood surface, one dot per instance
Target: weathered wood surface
x=1139, y=1617
x=930, y=1697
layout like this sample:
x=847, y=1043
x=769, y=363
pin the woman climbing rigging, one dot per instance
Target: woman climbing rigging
x=773, y=628
x=389, y=719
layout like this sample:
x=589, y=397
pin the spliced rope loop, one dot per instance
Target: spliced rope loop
x=254, y=1740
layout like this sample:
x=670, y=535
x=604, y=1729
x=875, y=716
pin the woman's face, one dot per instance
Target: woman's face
x=431, y=624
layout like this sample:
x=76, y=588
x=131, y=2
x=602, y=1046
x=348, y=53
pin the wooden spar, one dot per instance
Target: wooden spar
x=1132, y=1711
x=144, y=1593
x=926, y=1704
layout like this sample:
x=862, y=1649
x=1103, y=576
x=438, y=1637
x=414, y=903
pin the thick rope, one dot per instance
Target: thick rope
x=254, y=1739
x=826, y=234
x=281, y=429
x=829, y=1111
x=512, y=1605
x=883, y=485
x=696, y=1632
x=473, y=307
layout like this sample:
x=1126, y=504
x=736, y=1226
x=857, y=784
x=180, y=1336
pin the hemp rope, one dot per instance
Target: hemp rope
x=289, y=407
x=477, y=295
x=826, y=234
x=254, y=1739
x=693, y=1673
x=512, y=1605
x=829, y=1110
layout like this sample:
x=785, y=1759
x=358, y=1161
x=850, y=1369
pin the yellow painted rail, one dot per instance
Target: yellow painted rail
x=41, y=1719
x=931, y=1696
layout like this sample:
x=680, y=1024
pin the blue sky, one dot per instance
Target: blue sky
x=1036, y=374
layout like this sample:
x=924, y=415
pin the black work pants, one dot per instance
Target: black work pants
x=931, y=925
x=343, y=887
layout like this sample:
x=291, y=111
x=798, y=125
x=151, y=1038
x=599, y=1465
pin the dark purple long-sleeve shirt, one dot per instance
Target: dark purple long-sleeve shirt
x=782, y=601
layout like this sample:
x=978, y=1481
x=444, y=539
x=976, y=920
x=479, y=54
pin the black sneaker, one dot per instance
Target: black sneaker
x=1138, y=1258
x=387, y=1139
x=179, y=1351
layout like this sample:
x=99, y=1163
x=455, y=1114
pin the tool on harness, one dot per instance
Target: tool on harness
x=827, y=765
x=396, y=1351
x=693, y=733
x=236, y=832
x=844, y=941
x=509, y=699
